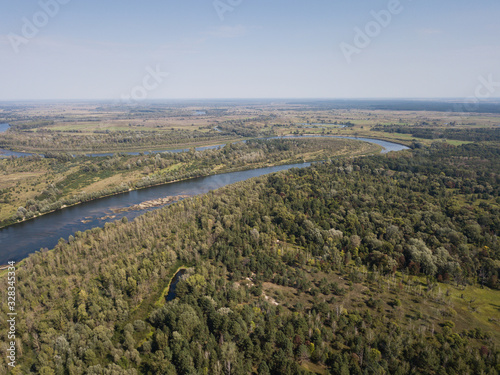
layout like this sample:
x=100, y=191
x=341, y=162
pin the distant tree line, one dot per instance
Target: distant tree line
x=48, y=140
x=459, y=134
x=247, y=127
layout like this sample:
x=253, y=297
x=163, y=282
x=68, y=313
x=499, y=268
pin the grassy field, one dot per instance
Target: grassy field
x=88, y=117
x=416, y=306
x=409, y=301
x=179, y=122
x=476, y=307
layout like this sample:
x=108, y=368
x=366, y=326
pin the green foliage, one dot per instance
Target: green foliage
x=89, y=305
x=140, y=171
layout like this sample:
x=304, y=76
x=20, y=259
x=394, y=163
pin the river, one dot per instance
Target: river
x=387, y=146
x=19, y=240
x=3, y=152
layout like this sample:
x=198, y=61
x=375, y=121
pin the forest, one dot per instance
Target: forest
x=373, y=265
x=33, y=186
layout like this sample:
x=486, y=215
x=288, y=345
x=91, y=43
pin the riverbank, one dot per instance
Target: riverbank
x=151, y=204
x=359, y=135
x=19, y=240
x=157, y=298
x=129, y=151
x=300, y=158
x=166, y=291
x=125, y=191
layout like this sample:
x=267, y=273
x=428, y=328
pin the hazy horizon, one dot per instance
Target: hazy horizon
x=233, y=49
x=250, y=99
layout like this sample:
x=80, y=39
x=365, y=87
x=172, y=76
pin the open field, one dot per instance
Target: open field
x=391, y=298
x=107, y=127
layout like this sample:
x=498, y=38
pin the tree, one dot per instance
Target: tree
x=229, y=356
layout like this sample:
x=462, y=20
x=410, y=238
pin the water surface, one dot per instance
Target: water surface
x=19, y=240
x=173, y=284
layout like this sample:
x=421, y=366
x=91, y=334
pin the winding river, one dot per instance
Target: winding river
x=19, y=240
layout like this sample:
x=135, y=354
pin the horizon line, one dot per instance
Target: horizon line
x=145, y=101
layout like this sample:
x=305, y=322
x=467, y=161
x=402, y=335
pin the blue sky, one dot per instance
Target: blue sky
x=89, y=49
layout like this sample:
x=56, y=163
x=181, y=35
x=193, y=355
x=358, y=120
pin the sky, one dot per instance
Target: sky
x=173, y=49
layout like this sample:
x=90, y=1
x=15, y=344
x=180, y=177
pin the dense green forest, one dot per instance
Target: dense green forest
x=359, y=266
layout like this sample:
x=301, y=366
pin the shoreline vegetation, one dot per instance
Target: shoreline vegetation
x=330, y=147
x=160, y=147
x=350, y=273
x=382, y=263
x=380, y=136
x=162, y=299
x=152, y=203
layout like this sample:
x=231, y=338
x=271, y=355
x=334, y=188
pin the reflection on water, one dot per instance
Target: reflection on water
x=388, y=146
x=173, y=284
x=19, y=240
